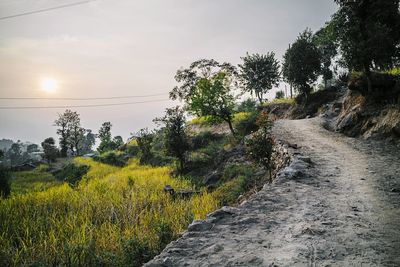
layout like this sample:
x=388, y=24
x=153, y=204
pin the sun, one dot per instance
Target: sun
x=49, y=85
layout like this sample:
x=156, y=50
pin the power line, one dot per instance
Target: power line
x=80, y=98
x=46, y=9
x=85, y=106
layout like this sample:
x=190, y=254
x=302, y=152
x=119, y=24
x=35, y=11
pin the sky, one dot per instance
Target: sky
x=112, y=48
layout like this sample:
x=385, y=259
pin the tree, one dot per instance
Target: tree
x=70, y=131
x=259, y=73
x=279, y=94
x=324, y=39
x=63, y=123
x=88, y=142
x=1, y=154
x=368, y=33
x=50, y=149
x=108, y=143
x=144, y=140
x=117, y=141
x=302, y=63
x=175, y=137
x=15, y=154
x=206, y=89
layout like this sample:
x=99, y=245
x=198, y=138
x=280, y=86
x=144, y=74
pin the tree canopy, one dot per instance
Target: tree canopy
x=176, y=140
x=302, y=63
x=259, y=74
x=368, y=34
x=206, y=89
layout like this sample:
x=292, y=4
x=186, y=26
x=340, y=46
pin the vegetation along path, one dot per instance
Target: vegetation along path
x=337, y=204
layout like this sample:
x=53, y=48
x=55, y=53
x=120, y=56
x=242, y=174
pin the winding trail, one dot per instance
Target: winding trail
x=337, y=204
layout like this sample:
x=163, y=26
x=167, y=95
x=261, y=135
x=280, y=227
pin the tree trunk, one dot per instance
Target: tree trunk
x=291, y=91
x=259, y=96
x=231, y=127
x=367, y=71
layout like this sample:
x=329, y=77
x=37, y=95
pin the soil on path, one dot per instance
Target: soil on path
x=337, y=204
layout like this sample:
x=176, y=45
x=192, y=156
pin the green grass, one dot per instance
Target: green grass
x=114, y=217
x=290, y=101
x=32, y=181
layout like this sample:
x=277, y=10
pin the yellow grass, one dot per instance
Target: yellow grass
x=92, y=224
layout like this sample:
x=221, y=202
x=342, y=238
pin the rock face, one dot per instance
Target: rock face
x=325, y=209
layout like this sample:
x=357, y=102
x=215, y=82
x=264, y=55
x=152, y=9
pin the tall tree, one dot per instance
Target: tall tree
x=88, y=142
x=63, y=131
x=50, y=149
x=259, y=73
x=105, y=137
x=206, y=89
x=368, y=33
x=144, y=140
x=70, y=131
x=325, y=40
x=302, y=63
x=175, y=137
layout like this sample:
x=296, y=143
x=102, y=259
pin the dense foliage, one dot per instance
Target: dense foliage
x=302, y=63
x=206, y=89
x=368, y=34
x=259, y=74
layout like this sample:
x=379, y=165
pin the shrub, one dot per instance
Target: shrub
x=136, y=252
x=279, y=94
x=72, y=173
x=5, y=188
x=236, y=180
x=260, y=145
x=114, y=158
x=248, y=105
x=245, y=123
x=203, y=139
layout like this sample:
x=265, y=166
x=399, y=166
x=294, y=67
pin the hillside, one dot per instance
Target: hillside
x=337, y=204
x=115, y=216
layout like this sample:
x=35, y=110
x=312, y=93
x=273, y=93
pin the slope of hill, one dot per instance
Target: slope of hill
x=335, y=205
x=115, y=216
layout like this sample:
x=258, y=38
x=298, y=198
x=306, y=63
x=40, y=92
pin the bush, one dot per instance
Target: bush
x=5, y=188
x=260, y=145
x=136, y=252
x=245, y=123
x=248, y=105
x=114, y=158
x=72, y=173
x=203, y=139
x=236, y=180
x=279, y=95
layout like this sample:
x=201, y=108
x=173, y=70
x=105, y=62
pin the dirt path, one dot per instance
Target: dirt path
x=342, y=209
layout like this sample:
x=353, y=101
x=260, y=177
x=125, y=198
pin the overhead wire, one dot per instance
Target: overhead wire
x=84, y=106
x=81, y=98
x=47, y=9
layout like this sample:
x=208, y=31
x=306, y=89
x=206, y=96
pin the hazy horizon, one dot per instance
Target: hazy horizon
x=116, y=48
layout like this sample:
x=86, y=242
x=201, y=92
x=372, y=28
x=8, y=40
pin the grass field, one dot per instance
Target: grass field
x=114, y=217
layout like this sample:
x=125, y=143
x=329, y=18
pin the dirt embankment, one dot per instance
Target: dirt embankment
x=337, y=204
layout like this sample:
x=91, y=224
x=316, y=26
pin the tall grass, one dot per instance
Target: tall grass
x=114, y=217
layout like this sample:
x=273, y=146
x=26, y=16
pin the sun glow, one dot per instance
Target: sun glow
x=49, y=85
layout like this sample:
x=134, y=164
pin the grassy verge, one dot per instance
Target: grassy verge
x=114, y=217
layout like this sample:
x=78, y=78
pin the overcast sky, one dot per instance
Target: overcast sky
x=109, y=48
